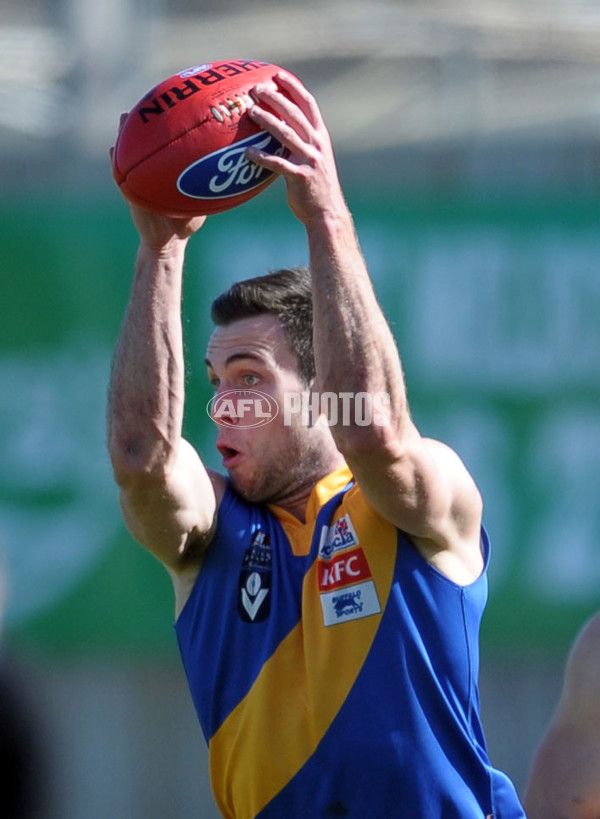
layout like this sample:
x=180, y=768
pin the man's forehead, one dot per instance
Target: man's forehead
x=259, y=337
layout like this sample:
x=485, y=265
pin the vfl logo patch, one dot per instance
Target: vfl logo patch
x=253, y=595
x=254, y=598
x=228, y=172
x=346, y=588
x=339, y=536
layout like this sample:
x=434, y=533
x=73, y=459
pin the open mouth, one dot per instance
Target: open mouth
x=229, y=454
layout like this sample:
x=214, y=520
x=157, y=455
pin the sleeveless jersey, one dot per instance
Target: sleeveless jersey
x=334, y=670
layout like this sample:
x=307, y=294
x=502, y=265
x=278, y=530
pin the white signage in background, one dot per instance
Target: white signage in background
x=506, y=316
x=563, y=562
x=58, y=504
x=496, y=309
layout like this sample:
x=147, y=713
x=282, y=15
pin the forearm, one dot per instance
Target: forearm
x=146, y=396
x=355, y=351
x=354, y=348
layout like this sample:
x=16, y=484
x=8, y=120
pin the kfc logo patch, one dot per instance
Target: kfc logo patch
x=343, y=569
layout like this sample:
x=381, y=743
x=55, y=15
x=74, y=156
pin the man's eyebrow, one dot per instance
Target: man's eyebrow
x=238, y=357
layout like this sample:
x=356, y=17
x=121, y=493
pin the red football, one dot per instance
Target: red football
x=181, y=149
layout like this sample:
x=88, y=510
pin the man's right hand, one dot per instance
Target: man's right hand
x=156, y=231
x=159, y=232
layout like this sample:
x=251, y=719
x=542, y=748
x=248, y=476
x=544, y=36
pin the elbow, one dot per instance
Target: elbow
x=135, y=462
x=366, y=423
x=369, y=427
x=359, y=442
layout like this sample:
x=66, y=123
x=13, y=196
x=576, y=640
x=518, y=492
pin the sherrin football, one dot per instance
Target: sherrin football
x=181, y=149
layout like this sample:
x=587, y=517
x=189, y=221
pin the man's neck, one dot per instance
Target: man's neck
x=296, y=502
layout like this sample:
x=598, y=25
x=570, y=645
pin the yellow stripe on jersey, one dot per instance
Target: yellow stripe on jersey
x=274, y=730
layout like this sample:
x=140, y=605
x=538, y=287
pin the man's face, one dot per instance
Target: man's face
x=272, y=461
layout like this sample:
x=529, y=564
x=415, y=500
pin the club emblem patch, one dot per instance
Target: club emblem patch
x=254, y=595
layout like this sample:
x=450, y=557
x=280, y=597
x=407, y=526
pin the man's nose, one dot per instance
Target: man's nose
x=225, y=407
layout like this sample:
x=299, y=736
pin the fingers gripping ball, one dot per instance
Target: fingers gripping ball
x=181, y=149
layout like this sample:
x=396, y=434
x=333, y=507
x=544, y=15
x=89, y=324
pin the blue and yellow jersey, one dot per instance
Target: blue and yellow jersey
x=334, y=670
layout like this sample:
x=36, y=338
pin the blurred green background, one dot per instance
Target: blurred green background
x=494, y=304
x=467, y=144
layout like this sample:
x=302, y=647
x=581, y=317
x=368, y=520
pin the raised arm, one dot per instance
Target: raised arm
x=418, y=484
x=565, y=777
x=168, y=498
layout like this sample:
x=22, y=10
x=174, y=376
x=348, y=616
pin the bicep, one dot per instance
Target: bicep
x=173, y=514
x=422, y=487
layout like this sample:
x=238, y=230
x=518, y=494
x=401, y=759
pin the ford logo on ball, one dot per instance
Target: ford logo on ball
x=228, y=172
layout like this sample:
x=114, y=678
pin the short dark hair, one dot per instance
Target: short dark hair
x=286, y=294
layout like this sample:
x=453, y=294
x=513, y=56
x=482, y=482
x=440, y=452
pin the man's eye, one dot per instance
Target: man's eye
x=250, y=379
x=215, y=381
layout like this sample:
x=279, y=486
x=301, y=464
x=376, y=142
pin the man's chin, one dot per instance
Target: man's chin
x=249, y=493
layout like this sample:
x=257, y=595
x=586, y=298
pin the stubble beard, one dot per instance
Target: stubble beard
x=298, y=465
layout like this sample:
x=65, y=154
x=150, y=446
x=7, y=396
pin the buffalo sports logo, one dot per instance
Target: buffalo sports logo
x=346, y=587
